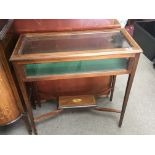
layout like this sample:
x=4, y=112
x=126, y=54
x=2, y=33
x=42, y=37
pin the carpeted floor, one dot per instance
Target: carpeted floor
x=139, y=117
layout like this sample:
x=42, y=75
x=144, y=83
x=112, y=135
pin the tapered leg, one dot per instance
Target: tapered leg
x=27, y=123
x=32, y=97
x=113, y=87
x=36, y=94
x=25, y=96
x=128, y=88
x=29, y=107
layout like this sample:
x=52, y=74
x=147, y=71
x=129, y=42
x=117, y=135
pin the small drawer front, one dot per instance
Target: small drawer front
x=76, y=101
x=86, y=66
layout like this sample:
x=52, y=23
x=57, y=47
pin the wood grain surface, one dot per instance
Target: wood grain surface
x=76, y=101
x=57, y=25
x=8, y=107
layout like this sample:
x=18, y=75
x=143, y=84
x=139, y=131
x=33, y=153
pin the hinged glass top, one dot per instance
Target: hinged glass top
x=73, y=42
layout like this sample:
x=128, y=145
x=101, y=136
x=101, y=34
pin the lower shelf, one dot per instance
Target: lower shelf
x=76, y=101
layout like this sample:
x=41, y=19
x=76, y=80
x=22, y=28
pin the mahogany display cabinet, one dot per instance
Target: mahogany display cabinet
x=42, y=91
x=73, y=55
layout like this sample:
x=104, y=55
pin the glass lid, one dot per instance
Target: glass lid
x=73, y=42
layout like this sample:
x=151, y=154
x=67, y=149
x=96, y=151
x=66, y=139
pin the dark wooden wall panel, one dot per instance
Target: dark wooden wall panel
x=46, y=25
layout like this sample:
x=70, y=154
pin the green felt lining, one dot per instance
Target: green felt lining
x=75, y=67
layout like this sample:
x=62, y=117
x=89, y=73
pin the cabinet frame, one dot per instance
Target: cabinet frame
x=20, y=60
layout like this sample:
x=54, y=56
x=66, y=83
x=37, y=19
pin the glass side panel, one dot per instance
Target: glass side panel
x=56, y=68
x=74, y=42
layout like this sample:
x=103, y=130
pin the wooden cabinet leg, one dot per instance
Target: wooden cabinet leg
x=126, y=97
x=37, y=95
x=32, y=97
x=25, y=97
x=27, y=123
x=29, y=107
x=113, y=87
x=128, y=88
